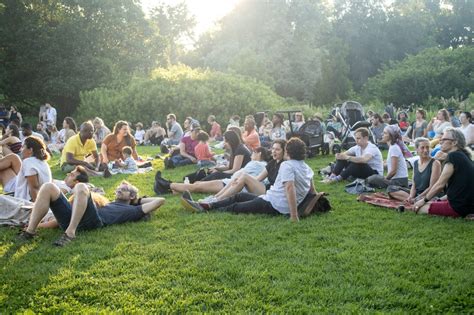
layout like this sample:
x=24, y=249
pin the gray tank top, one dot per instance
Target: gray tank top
x=422, y=179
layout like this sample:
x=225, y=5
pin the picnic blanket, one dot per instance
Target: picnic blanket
x=383, y=200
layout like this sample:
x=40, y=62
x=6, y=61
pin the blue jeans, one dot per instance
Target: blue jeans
x=179, y=160
x=62, y=211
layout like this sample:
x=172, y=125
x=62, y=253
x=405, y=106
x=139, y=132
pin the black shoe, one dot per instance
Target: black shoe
x=192, y=206
x=107, y=173
x=169, y=163
x=187, y=195
x=161, y=186
x=25, y=236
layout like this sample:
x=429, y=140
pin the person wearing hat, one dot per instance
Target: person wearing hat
x=186, y=149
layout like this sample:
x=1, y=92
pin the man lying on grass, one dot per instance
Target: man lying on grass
x=293, y=190
x=82, y=213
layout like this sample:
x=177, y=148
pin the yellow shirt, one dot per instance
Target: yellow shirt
x=79, y=150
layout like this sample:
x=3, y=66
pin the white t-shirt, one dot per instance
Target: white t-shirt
x=402, y=170
x=51, y=115
x=468, y=133
x=140, y=135
x=29, y=167
x=292, y=170
x=376, y=162
x=253, y=168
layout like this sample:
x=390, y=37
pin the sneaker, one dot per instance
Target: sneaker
x=208, y=199
x=63, y=240
x=191, y=205
x=25, y=236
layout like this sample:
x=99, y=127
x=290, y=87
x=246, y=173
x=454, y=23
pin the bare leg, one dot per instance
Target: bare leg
x=212, y=187
x=399, y=195
x=81, y=194
x=9, y=167
x=424, y=209
x=47, y=193
x=248, y=181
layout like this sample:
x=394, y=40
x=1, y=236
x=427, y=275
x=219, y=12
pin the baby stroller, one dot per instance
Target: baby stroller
x=311, y=133
x=351, y=115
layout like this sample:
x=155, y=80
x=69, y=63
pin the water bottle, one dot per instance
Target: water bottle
x=186, y=180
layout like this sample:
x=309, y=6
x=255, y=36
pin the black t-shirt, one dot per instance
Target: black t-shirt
x=119, y=212
x=272, y=170
x=241, y=150
x=461, y=184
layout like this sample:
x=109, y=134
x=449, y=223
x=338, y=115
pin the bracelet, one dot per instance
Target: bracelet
x=426, y=200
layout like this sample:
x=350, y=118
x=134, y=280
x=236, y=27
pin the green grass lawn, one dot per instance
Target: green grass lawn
x=357, y=258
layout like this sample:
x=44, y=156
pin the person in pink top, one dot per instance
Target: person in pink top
x=202, y=152
x=216, y=131
x=250, y=135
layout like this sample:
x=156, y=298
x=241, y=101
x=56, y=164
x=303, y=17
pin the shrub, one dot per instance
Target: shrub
x=182, y=91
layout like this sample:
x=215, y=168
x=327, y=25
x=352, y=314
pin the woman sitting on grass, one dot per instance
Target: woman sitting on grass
x=11, y=142
x=239, y=157
x=292, y=186
x=397, y=176
x=254, y=167
x=457, y=174
x=111, y=149
x=24, y=178
x=259, y=184
x=426, y=172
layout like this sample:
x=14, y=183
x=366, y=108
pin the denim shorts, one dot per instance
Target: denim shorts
x=62, y=210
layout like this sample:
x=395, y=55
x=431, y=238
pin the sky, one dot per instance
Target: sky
x=207, y=12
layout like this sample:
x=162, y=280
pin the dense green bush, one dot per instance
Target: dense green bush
x=180, y=90
x=432, y=73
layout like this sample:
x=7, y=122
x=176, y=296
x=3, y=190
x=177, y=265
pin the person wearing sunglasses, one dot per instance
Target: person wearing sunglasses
x=457, y=174
x=83, y=213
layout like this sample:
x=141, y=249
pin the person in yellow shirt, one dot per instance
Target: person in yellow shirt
x=78, y=148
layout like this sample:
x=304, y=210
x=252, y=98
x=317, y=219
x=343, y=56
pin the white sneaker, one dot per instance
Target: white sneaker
x=208, y=199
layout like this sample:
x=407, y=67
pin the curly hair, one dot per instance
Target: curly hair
x=296, y=149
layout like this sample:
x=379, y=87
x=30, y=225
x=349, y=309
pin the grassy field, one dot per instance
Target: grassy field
x=357, y=258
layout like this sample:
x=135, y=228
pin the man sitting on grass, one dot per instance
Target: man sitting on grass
x=78, y=147
x=83, y=214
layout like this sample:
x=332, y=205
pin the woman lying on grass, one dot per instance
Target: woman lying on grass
x=255, y=185
x=254, y=167
x=293, y=184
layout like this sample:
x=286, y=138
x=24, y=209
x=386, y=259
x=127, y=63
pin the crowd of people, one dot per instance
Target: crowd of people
x=263, y=169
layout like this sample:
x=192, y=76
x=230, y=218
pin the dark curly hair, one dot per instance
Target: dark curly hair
x=296, y=149
x=38, y=147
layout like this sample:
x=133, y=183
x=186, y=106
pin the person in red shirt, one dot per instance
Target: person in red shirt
x=250, y=135
x=204, y=156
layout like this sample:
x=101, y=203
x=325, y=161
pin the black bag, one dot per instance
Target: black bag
x=196, y=176
x=164, y=148
x=314, y=203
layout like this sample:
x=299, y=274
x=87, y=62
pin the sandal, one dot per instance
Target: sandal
x=25, y=236
x=63, y=240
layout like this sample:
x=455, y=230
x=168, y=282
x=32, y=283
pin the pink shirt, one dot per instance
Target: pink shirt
x=203, y=152
x=251, y=140
x=216, y=130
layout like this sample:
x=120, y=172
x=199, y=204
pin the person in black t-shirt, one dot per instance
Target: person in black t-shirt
x=82, y=213
x=239, y=157
x=457, y=174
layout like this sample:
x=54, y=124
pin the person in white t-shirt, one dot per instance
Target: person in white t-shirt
x=31, y=173
x=139, y=134
x=467, y=128
x=50, y=115
x=361, y=161
x=293, y=185
x=397, y=170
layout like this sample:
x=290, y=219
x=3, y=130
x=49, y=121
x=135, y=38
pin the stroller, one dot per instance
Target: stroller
x=311, y=133
x=351, y=114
